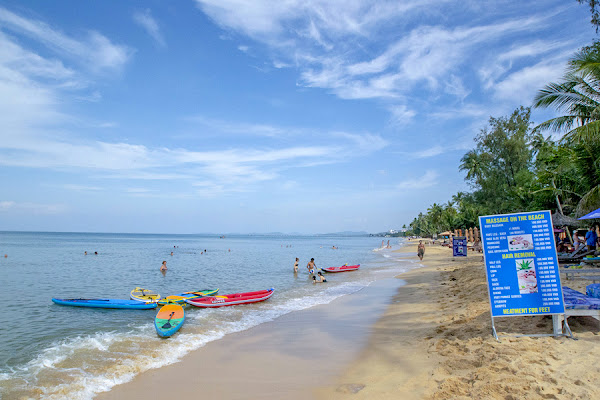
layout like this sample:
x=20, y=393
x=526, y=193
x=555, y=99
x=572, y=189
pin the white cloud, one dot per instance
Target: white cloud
x=32, y=208
x=82, y=188
x=401, y=114
x=521, y=86
x=149, y=24
x=5, y=205
x=455, y=86
x=33, y=88
x=464, y=111
x=223, y=170
x=96, y=51
x=345, y=47
x=533, y=49
x=430, y=178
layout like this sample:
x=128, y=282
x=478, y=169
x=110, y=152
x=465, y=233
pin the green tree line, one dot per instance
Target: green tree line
x=517, y=166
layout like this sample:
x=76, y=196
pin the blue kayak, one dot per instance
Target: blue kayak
x=106, y=303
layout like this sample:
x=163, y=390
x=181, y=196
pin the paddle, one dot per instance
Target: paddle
x=167, y=324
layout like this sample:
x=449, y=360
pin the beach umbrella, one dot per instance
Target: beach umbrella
x=592, y=215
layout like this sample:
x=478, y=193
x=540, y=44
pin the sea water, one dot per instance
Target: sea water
x=50, y=351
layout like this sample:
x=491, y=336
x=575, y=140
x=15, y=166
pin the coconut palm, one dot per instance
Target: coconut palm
x=577, y=96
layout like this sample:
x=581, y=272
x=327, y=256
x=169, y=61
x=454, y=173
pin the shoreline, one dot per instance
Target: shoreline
x=284, y=358
x=429, y=339
x=435, y=342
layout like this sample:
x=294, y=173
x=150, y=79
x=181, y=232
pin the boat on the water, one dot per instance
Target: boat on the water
x=106, y=303
x=342, y=268
x=231, y=299
x=182, y=297
x=144, y=295
x=169, y=320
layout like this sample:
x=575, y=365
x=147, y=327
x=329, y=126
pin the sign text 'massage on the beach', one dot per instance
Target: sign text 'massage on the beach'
x=521, y=264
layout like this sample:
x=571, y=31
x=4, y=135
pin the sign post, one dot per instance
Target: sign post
x=459, y=246
x=522, y=267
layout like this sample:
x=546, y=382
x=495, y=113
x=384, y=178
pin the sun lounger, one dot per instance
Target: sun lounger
x=579, y=304
x=575, y=273
x=593, y=290
x=575, y=257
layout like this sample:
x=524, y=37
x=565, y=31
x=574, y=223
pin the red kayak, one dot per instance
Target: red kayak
x=231, y=299
x=342, y=268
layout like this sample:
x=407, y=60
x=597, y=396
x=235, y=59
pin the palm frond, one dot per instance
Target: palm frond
x=589, y=202
x=588, y=133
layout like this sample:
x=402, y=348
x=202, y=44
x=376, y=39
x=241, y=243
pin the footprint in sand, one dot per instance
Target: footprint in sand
x=350, y=388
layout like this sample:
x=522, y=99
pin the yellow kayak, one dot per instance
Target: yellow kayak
x=145, y=295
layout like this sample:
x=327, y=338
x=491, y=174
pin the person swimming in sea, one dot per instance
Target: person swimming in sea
x=163, y=267
x=319, y=278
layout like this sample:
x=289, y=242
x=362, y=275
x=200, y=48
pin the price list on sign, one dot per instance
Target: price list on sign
x=521, y=264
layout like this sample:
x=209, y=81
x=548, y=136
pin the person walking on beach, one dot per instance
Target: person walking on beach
x=296, y=265
x=421, y=250
x=311, y=266
x=591, y=238
x=163, y=267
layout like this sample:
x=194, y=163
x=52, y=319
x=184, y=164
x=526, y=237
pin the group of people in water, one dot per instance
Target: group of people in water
x=311, y=267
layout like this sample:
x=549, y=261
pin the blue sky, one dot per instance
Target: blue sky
x=258, y=116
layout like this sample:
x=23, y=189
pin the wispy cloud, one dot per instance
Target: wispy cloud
x=32, y=208
x=221, y=170
x=96, y=51
x=429, y=59
x=35, y=84
x=82, y=188
x=149, y=24
x=430, y=178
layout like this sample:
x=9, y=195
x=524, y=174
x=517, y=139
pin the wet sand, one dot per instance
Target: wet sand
x=286, y=358
x=428, y=339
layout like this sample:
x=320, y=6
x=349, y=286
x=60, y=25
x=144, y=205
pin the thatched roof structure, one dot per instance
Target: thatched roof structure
x=562, y=220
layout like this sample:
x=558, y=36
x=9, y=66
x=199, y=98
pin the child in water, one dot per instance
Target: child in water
x=319, y=278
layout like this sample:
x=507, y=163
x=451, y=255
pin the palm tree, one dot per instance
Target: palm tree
x=578, y=97
x=474, y=164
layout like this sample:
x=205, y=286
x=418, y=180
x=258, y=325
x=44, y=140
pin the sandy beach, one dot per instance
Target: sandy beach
x=428, y=339
x=435, y=342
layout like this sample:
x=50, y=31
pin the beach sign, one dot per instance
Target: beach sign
x=459, y=246
x=521, y=265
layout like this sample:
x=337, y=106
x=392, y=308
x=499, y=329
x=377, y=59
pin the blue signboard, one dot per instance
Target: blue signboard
x=521, y=264
x=459, y=246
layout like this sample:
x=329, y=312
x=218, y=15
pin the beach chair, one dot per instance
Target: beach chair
x=579, y=304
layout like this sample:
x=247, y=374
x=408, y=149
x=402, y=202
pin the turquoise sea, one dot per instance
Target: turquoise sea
x=49, y=351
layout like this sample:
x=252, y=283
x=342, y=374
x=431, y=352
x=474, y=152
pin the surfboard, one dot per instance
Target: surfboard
x=169, y=320
x=105, y=303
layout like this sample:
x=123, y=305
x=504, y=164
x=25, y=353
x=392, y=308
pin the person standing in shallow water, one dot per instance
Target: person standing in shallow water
x=296, y=265
x=421, y=250
x=311, y=266
x=163, y=267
